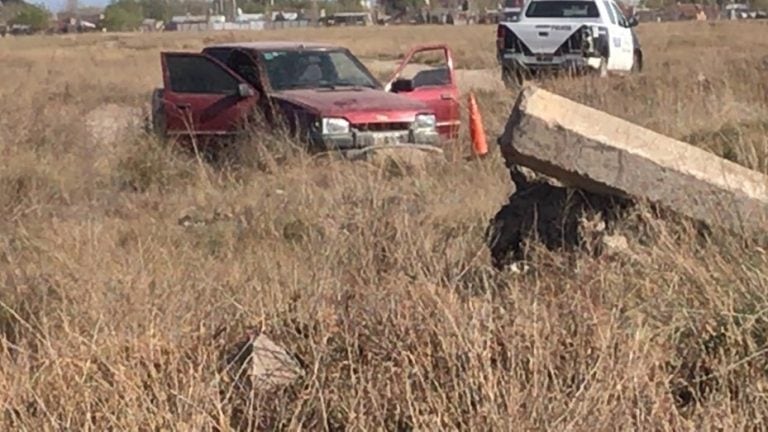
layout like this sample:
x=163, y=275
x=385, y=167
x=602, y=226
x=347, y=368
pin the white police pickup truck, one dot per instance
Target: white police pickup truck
x=567, y=35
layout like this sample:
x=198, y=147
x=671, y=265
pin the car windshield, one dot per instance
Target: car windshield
x=562, y=9
x=290, y=69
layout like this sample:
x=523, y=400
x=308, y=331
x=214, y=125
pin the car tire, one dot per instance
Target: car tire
x=158, y=114
x=637, y=62
x=603, y=71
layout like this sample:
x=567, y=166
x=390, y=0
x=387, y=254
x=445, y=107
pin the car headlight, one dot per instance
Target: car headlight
x=335, y=126
x=425, y=121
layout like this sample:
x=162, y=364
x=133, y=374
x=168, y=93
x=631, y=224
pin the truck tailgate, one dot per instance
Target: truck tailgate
x=543, y=37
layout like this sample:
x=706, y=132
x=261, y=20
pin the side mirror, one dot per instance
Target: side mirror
x=632, y=21
x=402, y=85
x=244, y=90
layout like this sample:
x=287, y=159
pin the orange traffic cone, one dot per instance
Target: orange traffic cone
x=476, y=130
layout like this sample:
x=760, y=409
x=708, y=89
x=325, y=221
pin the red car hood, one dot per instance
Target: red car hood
x=358, y=106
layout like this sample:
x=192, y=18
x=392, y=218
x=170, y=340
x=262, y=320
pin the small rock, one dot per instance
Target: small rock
x=518, y=268
x=222, y=214
x=613, y=244
x=187, y=221
x=592, y=223
x=264, y=363
x=271, y=364
x=191, y=217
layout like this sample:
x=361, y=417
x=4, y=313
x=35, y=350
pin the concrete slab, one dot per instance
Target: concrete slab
x=588, y=149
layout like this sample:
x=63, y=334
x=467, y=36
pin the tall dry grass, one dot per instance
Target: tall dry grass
x=111, y=312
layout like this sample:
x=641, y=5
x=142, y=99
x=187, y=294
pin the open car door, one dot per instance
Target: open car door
x=202, y=96
x=435, y=85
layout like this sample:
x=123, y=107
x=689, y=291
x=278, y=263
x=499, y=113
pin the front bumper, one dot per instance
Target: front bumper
x=359, y=140
x=535, y=63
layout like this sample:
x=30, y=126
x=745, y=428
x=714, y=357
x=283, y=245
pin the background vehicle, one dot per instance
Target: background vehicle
x=567, y=35
x=511, y=9
x=321, y=93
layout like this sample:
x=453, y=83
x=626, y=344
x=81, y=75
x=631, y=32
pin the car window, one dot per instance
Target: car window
x=609, y=9
x=619, y=15
x=220, y=54
x=427, y=68
x=346, y=68
x=291, y=69
x=562, y=9
x=198, y=74
x=243, y=65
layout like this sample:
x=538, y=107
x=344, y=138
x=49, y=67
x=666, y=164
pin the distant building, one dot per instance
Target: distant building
x=735, y=11
x=690, y=12
x=151, y=25
x=81, y=20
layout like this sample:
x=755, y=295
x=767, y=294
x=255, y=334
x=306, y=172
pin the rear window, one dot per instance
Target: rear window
x=562, y=9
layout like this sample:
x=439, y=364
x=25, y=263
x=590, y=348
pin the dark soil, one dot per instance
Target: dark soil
x=543, y=211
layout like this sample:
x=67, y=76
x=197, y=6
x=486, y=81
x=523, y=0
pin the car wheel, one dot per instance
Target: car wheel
x=157, y=114
x=603, y=67
x=637, y=62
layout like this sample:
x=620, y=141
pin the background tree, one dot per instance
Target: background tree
x=37, y=17
x=157, y=9
x=123, y=15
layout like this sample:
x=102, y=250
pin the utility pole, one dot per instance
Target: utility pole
x=315, y=14
x=71, y=6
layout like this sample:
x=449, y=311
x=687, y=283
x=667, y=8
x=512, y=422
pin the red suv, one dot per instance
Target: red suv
x=322, y=93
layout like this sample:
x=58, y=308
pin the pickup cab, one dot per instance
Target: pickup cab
x=567, y=35
x=322, y=94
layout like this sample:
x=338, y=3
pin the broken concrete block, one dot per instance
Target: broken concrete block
x=263, y=363
x=271, y=364
x=588, y=149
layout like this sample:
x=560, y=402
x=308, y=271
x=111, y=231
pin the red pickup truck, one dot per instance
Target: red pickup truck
x=322, y=93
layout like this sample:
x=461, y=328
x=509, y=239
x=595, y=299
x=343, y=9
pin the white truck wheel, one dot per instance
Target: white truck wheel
x=637, y=63
x=603, y=67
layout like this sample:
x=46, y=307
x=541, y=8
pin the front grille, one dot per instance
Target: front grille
x=383, y=127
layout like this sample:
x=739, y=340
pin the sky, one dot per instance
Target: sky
x=58, y=5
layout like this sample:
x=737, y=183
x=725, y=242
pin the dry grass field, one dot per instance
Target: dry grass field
x=113, y=316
